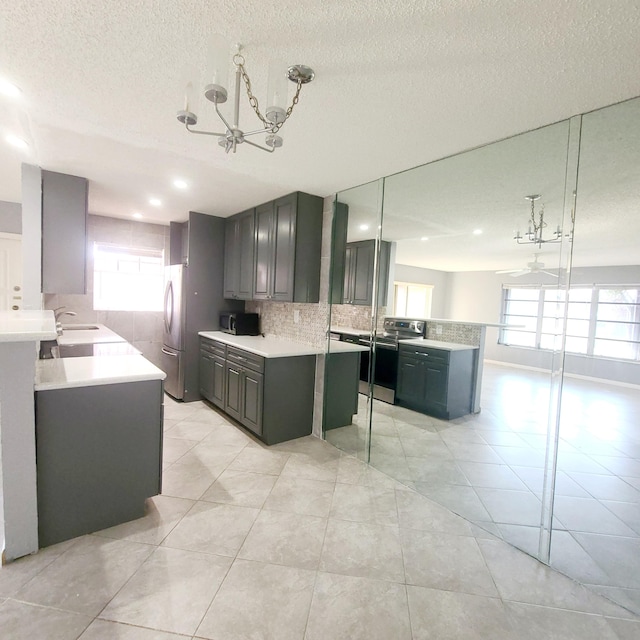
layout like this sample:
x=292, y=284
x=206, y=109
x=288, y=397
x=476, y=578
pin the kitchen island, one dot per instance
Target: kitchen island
x=99, y=435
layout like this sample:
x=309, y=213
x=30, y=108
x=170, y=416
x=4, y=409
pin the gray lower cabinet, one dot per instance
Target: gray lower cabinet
x=342, y=379
x=437, y=382
x=212, y=371
x=272, y=397
x=99, y=456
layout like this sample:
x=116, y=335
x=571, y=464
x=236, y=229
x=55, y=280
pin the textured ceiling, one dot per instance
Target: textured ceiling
x=397, y=85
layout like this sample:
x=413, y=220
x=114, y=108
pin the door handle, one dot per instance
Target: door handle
x=168, y=353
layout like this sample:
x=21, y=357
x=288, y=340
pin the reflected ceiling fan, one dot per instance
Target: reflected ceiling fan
x=532, y=267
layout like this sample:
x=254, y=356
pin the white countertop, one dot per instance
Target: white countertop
x=25, y=326
x=87, y=336
x=267, y=347
x=340, y=346
x=67, y=373
x=437, y=344
x=350, y=331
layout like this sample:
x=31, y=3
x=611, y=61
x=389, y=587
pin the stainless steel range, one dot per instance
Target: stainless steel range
x=385, y=356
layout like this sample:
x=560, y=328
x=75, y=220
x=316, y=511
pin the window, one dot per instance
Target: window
x=601, y=320
x=127, y=278
x=412, y=300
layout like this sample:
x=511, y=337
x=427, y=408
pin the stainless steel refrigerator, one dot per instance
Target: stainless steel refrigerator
x=174, y=339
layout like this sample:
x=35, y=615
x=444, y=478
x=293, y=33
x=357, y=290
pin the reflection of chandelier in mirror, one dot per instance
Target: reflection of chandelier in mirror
x=536, y=227
x=275, y=115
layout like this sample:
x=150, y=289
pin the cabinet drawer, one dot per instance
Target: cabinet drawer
x=439, y=356
x=246, y=359
x=213, y=347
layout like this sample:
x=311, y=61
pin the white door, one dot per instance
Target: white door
x=10, y=272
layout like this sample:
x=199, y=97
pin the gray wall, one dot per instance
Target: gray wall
x=10, y=217
x=143, y=329
x=477, y=297
x=441, y=281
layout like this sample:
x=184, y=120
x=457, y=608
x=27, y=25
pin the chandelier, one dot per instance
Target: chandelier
x=275, y=114
x=536, y=227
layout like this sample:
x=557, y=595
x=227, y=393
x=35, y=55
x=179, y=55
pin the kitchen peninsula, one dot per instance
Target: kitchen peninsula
x=99, y=434
x=99, y=426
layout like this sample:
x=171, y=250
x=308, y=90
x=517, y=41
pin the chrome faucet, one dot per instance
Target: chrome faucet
x=58, y=313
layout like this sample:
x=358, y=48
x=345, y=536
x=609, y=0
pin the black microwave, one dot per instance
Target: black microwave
x=240, y=324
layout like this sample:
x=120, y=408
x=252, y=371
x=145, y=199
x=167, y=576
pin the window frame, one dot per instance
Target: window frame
x=590, y=336
x=104, y=300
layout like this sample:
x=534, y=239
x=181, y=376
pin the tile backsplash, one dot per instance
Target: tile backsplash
x=454, y=332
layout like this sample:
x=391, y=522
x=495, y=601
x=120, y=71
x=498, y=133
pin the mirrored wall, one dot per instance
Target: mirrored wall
x=489, y=306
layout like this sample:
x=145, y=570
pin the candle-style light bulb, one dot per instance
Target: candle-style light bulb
x=277, y=93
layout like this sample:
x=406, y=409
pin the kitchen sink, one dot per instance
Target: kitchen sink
x=79, y=327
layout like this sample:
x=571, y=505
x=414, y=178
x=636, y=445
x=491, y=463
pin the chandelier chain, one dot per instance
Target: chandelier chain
x=253, y=101
x=537, y=226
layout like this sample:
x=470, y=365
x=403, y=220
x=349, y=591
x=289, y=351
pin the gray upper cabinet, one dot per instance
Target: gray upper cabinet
x=287, y=251
x=359, y=272
x=239, y=252
x=64, y=233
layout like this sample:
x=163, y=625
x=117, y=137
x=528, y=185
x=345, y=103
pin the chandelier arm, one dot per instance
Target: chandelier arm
x=205, y=133
x=252, y=133
x=253, y=144
x=226, y=124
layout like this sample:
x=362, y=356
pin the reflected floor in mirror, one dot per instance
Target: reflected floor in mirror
x=297, y=541
x=489, y=468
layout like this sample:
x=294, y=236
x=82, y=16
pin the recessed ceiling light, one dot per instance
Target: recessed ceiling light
x=477, y=232
x=364, y=227
x=155, y=202
x=424, y=238
x=137, y=216
x=180, y=184
x=15, y=141
x=9, y=89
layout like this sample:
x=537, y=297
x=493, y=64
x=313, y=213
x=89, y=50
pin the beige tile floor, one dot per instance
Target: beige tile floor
x=299, y=541
x=489, y=468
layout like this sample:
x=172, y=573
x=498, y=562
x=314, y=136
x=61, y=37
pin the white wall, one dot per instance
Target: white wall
x=439, y=279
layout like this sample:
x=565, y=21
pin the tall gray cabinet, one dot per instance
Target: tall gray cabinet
x=64, y=233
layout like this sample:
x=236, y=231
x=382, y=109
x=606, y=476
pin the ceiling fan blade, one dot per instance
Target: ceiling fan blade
x=555, y=275
x=515, y=273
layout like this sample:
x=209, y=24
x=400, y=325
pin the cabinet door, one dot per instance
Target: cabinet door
x=64, y=233
x=231, y=258
x=252, y=401
x=218, y=369
x=436, y=375
x=363, y=273
x=246, y=240
x=349, y=274
x=233, y=393
x=284, y=247
x=411, y=381
x=206, y=375
x=263, y=280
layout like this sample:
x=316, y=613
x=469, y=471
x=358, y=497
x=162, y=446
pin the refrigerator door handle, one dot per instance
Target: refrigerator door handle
x=168, y=353
x=168, y=307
